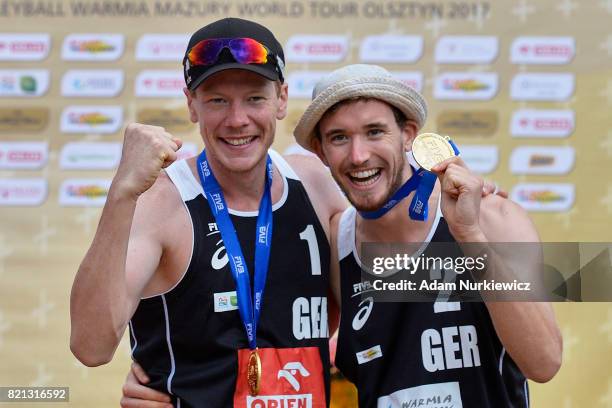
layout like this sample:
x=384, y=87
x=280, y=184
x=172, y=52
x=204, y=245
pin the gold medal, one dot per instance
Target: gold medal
x=254, y=373
x=429, y=149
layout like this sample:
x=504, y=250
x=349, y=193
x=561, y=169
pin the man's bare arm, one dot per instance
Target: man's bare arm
x=125, y=252
x=528, y=330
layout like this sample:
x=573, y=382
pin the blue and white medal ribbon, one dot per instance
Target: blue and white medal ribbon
x=249, y=310
x=423, y=181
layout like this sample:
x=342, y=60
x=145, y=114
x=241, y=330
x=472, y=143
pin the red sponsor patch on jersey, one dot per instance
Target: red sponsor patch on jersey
x=290, y=378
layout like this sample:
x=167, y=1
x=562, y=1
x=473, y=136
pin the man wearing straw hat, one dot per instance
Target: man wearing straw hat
x=361, y=123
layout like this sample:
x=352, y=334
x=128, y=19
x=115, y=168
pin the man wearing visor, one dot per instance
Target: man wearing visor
x=219, y=265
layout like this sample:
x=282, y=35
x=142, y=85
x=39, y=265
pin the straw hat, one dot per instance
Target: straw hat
x=370, y=81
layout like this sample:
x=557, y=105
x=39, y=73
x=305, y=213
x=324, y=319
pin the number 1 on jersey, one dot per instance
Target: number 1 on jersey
x=310, y=237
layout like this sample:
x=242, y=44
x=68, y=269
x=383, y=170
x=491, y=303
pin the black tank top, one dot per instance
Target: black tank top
x=404, y=355
x=186, y=339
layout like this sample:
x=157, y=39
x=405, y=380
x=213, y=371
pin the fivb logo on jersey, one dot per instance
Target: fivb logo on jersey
x=93, y=47
x=24, y=47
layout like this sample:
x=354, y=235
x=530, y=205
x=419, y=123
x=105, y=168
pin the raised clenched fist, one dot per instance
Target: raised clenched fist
x=146, y=150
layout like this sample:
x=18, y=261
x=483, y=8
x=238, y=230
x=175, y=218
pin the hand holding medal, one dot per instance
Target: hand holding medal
x=428, y=149
x=460, y=188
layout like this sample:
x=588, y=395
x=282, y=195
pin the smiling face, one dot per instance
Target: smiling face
x=237, y=112
x=364, y=147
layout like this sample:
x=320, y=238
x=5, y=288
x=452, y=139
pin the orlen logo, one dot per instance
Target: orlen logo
x=391, y=49
x=542, y=123
x=92, y=83
x=91, y=119
x=413, y=79
x=544, y=196
x=93, y=47
x=542, y=160
x=301, y=83
x=316, y=48
x=466, y=49
x=90, y=155
x=159, y=84
x=161, y=47
x=466, y=86
x=542, y=50
x=542, y=86
x=23, y=155
x=23, y=82
x=24, y=47
x=84, y=192
x=294, y=379
x=23, y=192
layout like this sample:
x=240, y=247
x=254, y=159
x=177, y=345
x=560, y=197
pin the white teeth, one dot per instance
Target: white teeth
x=365, y=177
x=239, y=142
x=364, y=173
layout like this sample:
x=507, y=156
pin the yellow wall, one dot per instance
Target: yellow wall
x=41, y=247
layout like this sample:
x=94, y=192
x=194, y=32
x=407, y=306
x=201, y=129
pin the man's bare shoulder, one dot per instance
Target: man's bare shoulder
x=334, y=225
x=306, y=166
x=160, y=207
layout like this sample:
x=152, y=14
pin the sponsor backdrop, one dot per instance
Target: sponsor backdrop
x=524, y=87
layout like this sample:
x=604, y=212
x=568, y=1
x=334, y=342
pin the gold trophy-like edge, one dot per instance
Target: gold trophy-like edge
x=254, y=373
x=427, y=158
